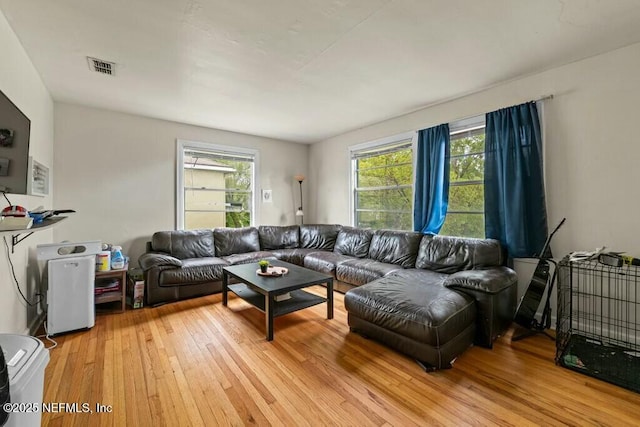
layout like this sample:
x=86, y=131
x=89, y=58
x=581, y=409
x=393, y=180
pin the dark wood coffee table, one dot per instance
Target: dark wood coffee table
x=261, y=291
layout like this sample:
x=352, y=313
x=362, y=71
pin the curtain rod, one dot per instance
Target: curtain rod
x=541, y=98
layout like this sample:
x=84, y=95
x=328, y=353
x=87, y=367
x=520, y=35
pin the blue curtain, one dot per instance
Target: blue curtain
x=515, y=209
x=431, y=190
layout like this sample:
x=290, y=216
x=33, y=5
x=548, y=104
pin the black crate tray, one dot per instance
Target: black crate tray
x=611, y=363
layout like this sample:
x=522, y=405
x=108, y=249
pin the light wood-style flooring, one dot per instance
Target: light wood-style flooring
x=198, y=363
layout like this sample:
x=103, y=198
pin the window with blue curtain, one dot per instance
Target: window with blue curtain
x=476, y=177
x=515, y=207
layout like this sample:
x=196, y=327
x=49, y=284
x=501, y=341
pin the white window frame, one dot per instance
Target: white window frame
x=379, y=143
x=183, y=144
x=459, y=127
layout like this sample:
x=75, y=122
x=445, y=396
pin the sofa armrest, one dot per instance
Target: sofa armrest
x=495, y=291
x=156, y=259
x=491, y=280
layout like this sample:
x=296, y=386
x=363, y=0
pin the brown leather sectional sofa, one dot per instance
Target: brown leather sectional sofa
x=427, y=296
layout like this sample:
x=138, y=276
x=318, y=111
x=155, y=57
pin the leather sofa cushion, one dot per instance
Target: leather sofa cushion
x=229, y=241
x=320, y=236
x=279, y=237
x=184, y=244
x=353, y=241
x=193, y=271
x=248, y=257
x=358, y=271
x=395, y=247
x=450, y=254
x=325, y=262
x=294, y=256
x=430, y=314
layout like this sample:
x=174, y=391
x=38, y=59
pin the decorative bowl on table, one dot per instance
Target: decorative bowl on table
x=273, y=271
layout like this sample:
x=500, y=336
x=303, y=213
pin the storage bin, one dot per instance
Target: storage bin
x=26, y=360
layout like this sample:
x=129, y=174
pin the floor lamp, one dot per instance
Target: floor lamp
x=300, y=212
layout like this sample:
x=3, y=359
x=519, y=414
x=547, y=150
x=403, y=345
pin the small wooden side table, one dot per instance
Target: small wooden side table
x=119, y=295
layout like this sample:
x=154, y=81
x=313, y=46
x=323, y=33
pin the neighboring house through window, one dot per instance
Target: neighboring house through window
x=382, y=183
x=215, y=186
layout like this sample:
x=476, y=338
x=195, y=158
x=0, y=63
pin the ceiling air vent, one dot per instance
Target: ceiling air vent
x=101, y=66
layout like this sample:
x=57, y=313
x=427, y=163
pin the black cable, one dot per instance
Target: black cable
x=6, y=198
x=15, y=279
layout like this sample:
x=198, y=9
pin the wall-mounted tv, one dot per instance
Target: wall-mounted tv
x=15, y=130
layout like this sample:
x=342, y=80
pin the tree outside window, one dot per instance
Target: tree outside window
x=465, y=213
x=383, y=182
x=383, y=190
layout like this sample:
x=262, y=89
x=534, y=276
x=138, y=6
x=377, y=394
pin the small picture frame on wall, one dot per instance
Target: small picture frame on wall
x=38, y=182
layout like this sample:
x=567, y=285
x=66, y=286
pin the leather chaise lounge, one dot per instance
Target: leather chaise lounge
x=429, y=297
x=458, y=293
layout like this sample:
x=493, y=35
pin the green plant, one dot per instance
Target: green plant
x=263, y=263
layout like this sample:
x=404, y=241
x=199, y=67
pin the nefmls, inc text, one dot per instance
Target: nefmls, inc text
x=75, y=407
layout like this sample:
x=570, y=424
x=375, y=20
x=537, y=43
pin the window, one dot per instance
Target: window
x=465, y=214
x=382, y=183
x=215, y=186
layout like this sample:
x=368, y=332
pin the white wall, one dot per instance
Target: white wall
x=592, y=149
x=118, y=171
x=22, y=84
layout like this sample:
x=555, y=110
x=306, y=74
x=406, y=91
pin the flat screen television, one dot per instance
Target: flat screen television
x=15, y=130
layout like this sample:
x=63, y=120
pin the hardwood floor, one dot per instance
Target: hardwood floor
x=198, y=363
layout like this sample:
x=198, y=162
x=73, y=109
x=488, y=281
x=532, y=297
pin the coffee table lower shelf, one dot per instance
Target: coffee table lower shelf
x=299, y=300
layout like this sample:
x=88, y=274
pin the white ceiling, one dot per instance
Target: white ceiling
x=303, y=70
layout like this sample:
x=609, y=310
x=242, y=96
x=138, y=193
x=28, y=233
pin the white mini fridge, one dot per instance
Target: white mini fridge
x=70, y=275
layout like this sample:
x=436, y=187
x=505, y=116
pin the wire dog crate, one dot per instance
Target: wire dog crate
x=598, y=323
